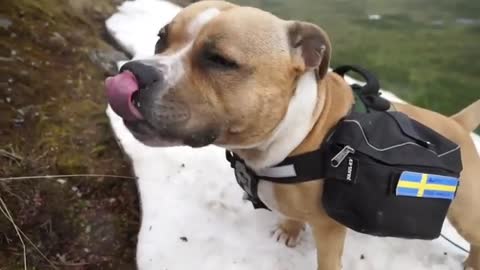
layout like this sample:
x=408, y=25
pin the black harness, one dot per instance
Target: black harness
x=397, y=182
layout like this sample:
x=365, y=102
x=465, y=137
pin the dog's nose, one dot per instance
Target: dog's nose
x=145, y=74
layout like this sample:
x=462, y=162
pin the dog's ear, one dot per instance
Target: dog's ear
x=311, y=48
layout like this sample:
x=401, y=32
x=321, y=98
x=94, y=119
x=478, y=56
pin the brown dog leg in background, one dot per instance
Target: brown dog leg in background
x=464, y=213
x=473, y=260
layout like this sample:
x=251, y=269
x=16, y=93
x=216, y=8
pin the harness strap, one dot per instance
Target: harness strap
x=367, y=97
x=295, y=169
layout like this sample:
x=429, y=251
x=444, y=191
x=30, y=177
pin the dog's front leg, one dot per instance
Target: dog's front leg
x=329, y=239
x=473, y=261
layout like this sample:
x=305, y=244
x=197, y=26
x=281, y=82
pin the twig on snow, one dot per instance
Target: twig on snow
x=66, y=176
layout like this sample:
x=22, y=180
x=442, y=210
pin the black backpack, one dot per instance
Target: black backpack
x=389, y=174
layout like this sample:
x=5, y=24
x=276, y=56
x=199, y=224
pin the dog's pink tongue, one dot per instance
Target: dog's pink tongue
x=120, y=89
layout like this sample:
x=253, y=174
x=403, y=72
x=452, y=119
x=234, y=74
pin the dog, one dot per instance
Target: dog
x=245, y=80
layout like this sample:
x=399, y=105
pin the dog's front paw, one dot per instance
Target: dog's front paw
x=288, y=232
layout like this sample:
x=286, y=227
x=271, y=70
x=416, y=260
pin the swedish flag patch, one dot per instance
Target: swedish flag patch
x=424, y=185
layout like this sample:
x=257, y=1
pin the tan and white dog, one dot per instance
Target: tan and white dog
x=243, y=79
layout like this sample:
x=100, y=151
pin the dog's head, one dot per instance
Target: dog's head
x=221, y=74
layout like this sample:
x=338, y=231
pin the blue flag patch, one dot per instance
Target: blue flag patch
x=424, y=185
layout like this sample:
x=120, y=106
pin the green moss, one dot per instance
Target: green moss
x=71, y=164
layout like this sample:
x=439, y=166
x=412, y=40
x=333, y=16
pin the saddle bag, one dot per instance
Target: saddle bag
x=389, y=175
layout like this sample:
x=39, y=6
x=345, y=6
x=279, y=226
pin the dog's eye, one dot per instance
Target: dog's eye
x=162, y=42
x=218, y=60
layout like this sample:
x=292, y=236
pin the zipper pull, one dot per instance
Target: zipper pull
x=340, y=157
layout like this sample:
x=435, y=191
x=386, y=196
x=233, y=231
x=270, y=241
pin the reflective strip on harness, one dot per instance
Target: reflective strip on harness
x=423, y=185
x=278, y=172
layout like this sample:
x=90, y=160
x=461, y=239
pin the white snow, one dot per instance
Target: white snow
x=192, y=193
x=374, y=17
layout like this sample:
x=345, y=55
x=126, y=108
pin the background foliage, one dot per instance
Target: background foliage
x=426, y=51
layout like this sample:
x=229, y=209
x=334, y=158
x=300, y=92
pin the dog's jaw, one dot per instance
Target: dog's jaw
x=298, y=121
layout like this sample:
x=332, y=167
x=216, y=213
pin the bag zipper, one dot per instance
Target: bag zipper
x=340, y=156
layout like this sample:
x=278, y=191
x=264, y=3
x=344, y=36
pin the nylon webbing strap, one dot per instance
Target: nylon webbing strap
x=367, y=96
x=300, y=168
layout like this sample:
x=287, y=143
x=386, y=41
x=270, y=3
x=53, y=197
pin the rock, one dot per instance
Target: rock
x=18, y=121
x=6, y=59
x=107, y=60
x=57, y=41
x=5, y=22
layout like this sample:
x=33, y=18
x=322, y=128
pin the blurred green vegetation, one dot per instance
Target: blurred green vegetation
x=425, y=51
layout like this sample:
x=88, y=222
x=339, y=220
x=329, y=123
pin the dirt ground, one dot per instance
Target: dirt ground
x=54, y=56
x=53, y=60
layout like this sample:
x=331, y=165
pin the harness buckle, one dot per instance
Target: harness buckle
x=244, y=178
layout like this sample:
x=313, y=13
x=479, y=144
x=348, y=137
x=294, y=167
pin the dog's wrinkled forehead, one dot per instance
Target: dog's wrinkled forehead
x=201, y=19
x=191, y=20
x=226, y=21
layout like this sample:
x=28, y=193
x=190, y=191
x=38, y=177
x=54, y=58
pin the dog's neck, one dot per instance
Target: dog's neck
x=337, y=104
x=311, y=102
